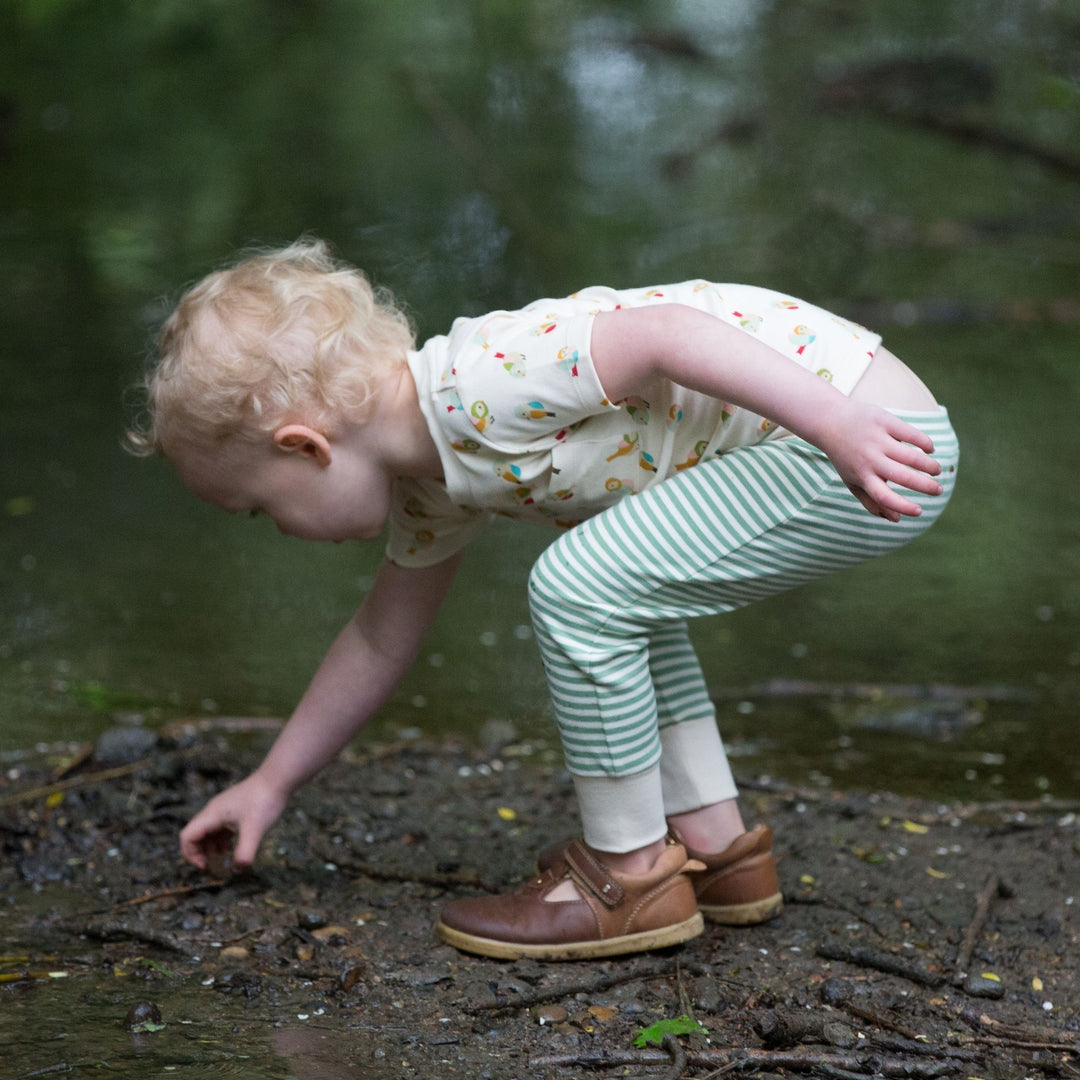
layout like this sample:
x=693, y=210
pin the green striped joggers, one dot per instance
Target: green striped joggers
x=610, y=600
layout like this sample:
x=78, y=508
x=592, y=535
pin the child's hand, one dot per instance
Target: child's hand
x=243, y=812
x=871, y=448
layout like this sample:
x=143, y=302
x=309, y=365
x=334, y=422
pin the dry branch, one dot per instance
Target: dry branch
x=752, y=1060
x=880, y=961
x=990, y=889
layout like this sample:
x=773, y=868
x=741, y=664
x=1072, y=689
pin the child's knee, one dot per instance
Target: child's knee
x=546, y=589
x=559, y=595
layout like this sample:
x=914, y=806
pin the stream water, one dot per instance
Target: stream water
x=478, y=157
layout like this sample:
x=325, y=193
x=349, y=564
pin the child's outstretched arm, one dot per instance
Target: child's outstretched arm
x=358, y=674
x=869, y=446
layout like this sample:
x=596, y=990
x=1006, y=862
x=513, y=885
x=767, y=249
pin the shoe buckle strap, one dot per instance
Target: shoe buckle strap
x=589, y=871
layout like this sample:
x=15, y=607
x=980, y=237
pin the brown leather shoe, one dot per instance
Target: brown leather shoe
x=617, y=913
x=737, y=886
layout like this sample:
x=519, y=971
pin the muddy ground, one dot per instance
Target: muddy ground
x=918, y=940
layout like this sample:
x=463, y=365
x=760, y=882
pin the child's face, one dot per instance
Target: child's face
x=342, y=494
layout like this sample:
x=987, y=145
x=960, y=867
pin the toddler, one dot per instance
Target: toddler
x=697, y=447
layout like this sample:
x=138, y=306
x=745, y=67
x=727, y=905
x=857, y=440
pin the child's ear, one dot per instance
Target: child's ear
x=299, y=438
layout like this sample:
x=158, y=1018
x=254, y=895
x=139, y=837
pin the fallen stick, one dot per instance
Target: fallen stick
x=655, y=970
x=783, y=1029
x=564, y=990
x=382, y=873
x=20, y=976
x=112, y=931
x=73, y=782
x=825, y=900
x=982, y=912
x=745, y=1059
x=1029, y=1038
x=146, y=898
x=879, y=961
x=878, y=1020
x=62, y=1067
x=678, y=1057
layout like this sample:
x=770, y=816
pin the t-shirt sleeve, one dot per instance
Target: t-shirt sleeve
x=528, y=376
x=425, y=527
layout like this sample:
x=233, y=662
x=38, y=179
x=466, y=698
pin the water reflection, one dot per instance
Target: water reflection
x=478, y=157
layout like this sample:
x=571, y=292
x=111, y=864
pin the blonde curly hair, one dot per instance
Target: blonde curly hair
x=287, y=334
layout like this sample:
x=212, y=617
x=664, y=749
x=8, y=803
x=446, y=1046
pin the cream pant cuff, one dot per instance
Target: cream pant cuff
x=694, y=769
x=621, y=813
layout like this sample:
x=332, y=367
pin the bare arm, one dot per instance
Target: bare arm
x=869, y=446
x=357, y=675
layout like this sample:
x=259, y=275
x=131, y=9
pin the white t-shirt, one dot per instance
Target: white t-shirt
x=523, y=426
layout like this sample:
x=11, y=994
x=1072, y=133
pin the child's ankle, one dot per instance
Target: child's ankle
x=634, y=863
x=709, y=829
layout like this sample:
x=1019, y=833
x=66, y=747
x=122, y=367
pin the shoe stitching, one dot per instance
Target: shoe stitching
x=665, y=885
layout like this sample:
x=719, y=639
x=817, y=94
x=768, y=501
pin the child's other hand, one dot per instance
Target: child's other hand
x=873, y=448
x=242, y=813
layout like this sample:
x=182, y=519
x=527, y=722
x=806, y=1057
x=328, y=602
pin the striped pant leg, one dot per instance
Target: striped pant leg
x=694, y=769
x=732, y=530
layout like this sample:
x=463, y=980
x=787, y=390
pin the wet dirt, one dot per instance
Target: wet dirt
x=918, y=939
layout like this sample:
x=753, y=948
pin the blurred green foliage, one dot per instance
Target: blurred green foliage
x=914, y=165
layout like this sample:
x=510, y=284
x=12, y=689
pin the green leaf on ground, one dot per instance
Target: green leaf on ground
x=681, y=1025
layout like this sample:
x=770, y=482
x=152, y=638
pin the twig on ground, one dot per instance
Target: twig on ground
x=825, y=900
x=745, y=1059
x=146, y=898
x=382, y=873
x=61, y=1067
x=782, y=1029
x=623, y=975
x=26, y=976
x=879, y=961
x=678, y=1057
x=564, y=990
x=229, y=941
x=115, y=931
x=75, y=781
x=84, y=754
x=1033, y=1038
x=878, y=1020
x=990, y=889
x=685, y=1008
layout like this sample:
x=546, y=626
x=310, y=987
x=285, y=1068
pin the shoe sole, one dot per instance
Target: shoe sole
x=574, y=950
x=756, y=911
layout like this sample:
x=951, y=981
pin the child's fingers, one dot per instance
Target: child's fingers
x=204, y=843
x=886, y=502
x=192, y=847
x=247, y=847
x=908, y=433
x=914, y=458
x=913, y=479
x=869, y=505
